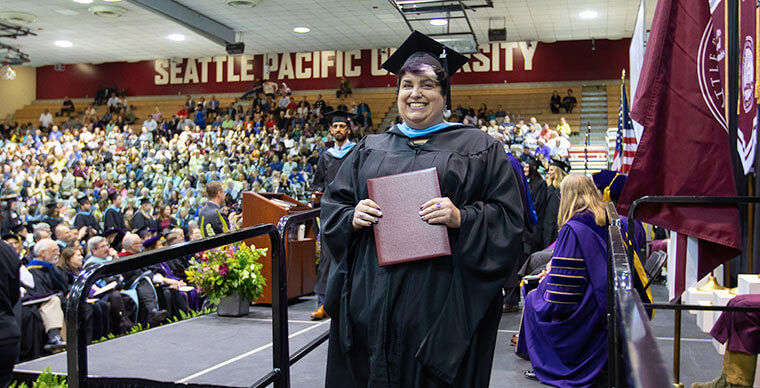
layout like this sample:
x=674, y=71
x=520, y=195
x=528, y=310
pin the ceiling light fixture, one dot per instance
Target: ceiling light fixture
x=243, y=3
x=439, y=22
x=588, y=14
x=176, y=37
x=63, y=43
x=17, y=17
x=301, y=30
x=83, y=1
x=107, y=11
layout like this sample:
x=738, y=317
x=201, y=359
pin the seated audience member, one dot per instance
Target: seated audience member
x=344, y=89
x=563, y=128
x=46, y=119
x=555, y=102
x=47, y=281
x=67, y=107
x=140, y=279
x=569, y=102
x=564, y=326
x=114, y=103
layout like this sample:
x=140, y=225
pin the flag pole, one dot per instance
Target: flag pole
x=732, y=117
x=677, y=347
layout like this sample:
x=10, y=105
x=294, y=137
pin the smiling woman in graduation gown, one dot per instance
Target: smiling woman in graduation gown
x=428, y=323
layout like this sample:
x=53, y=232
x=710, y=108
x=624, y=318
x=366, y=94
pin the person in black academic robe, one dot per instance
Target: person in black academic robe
x=10, y=217
x=51, y=216
x=558, y=170
x=143, y=219
x=539, y=196
x=85, y=218
x=113, y=218
x=433, y=322
x=327, y=168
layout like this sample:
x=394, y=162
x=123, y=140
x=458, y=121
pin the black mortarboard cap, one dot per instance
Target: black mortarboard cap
x=18, y=228
x=82, y=199
x=339, y=116
x=9, y=236
x=420, y=48
x=531, y=159
x=144, y=200
x=51, y=204
x=112, y=196
x=561, y=164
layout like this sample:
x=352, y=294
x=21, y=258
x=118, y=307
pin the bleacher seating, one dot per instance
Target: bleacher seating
x=517, y=102
x=520, y=102
x=379, y=104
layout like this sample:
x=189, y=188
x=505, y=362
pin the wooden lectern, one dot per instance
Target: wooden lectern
x=300, y=255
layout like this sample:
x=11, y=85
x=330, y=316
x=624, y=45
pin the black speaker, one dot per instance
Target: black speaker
x=235, y=48
x=497, y=34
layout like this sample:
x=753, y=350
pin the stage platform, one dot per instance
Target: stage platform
x=238, y=351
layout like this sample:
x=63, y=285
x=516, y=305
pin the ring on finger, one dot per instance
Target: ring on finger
x=438, y=205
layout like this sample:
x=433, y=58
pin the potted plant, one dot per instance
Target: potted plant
x=229, y=276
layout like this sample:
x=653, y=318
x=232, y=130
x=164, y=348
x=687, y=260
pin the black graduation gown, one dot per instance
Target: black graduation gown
x=86, y=219
x=549, y=223
x=10, y=220
x=139, y=220
x=433, y=322
x=327, y=169
x=113, y=218
x=538, y=193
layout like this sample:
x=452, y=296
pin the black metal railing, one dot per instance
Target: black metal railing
x=281, y=359
x=633, y=355
x=678, y=307
x=76, y=327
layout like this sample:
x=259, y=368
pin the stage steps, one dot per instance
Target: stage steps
x=389, y=119
x=593, y=106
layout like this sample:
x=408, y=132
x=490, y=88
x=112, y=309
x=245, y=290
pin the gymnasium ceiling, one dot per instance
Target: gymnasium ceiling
x=268, y=26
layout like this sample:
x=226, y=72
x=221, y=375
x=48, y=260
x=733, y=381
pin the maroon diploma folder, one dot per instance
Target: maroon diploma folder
x=401, y=235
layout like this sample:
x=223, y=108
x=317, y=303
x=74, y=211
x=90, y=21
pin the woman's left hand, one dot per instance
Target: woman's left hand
x=441, y=211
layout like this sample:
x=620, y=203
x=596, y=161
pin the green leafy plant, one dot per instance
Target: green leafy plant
x=228, y=270
x=45, y=380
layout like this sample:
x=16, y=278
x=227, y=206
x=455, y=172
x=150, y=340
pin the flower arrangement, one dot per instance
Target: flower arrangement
x=227, y=270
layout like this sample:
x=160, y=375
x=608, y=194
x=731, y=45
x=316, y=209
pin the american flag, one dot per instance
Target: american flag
x=625, y=142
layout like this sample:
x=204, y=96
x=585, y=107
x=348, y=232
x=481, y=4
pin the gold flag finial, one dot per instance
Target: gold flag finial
x=622, y=75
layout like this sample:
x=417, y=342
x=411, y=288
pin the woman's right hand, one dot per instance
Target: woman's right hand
x=366, y=213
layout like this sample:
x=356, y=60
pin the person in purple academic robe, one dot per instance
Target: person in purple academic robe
x=610, y=184
x=564, y=326
x=740, y=332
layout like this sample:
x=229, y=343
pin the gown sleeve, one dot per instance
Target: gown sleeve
x=318, y=183
x=340, y=240
x=550, y=218
x=484, y=249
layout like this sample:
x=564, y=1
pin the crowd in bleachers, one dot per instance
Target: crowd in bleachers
x=531, y=139
x=66, y=176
